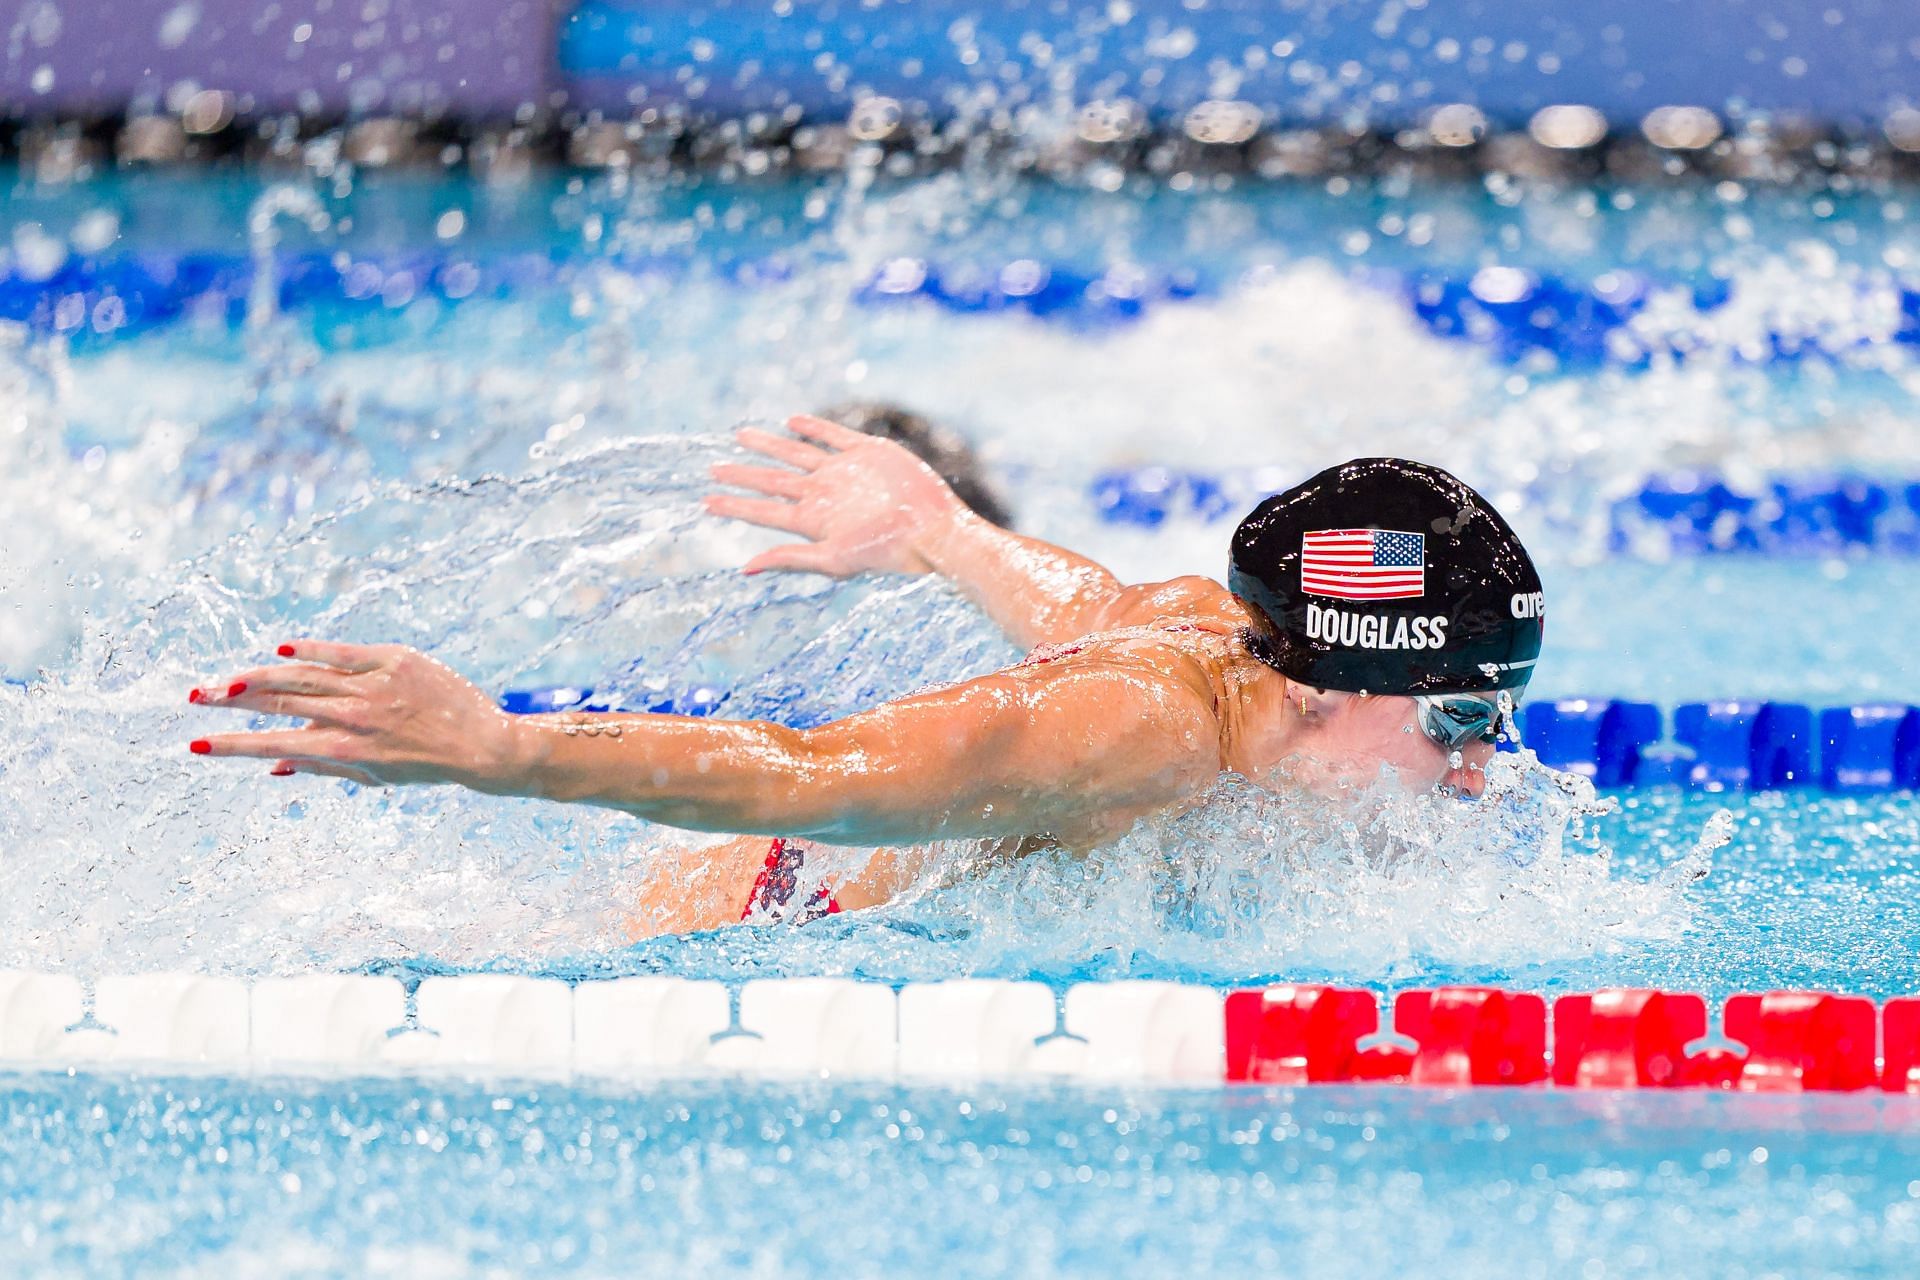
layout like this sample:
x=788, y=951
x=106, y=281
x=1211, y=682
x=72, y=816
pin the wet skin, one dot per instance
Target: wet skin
x=1138, y=700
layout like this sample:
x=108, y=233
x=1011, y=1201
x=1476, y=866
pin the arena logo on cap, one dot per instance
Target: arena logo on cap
x=1363, y=564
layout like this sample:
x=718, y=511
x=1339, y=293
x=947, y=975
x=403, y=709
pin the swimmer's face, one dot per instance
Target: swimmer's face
x=1348, y=737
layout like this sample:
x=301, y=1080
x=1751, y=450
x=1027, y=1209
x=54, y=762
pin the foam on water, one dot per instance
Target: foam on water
x=1274, y=880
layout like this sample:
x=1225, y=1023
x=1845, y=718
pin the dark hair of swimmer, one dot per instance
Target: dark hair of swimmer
x=940, y=449
x=1390, y=577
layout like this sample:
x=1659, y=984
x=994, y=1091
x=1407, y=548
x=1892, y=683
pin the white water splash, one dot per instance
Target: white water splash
x=122, y=851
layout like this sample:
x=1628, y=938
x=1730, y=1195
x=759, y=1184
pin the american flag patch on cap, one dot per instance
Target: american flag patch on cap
x=1364, y=564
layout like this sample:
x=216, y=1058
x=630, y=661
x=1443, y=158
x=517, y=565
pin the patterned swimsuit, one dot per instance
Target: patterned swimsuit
x=772, y=899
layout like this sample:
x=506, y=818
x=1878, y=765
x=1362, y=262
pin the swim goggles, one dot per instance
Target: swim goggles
x=1452, y=720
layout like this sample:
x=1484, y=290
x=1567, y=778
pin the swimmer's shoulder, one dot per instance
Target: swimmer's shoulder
x=1181, y=628
x=1176, y=653
x=1195, y=601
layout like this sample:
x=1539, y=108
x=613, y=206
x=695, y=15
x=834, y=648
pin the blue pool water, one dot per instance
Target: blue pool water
x=185, y=1177
x=425, y=433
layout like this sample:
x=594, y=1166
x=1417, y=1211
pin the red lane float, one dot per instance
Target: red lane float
x=1803, y=1040
x=1788, y=1041
x=1625, y=1039
x=1900, y=1030
x=1297, y=1034
x=1474, y=1035
x=1312, y=1034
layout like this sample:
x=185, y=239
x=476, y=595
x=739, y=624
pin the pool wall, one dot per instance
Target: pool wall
x=476, y=59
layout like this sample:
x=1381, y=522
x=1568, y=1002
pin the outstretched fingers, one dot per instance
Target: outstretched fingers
x=795, y=453
x=287, y=678
x=767, y=512
x=300, y=745
x=322, y=769
x=772, y=481
x=831, y=434
x=354, y=658
x=799, y=557
x=342, y=712
x=306, y=690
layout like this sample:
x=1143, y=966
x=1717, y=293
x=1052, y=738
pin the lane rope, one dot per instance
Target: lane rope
x=1539, y=320
x=1165, y=1032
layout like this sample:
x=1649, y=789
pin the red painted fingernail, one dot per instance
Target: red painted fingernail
x=196, y=695
x=281, y=771
x=237, y=688
x=200, y=747
x=285, y=651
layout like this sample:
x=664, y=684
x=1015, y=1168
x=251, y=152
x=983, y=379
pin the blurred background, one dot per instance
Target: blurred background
x=1645, y=274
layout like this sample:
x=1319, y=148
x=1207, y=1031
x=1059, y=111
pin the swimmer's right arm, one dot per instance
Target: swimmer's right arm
x=1075, y=750
x=869, y=505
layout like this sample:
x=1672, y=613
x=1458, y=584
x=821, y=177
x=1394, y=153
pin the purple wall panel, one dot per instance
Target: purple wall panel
x=461, y=57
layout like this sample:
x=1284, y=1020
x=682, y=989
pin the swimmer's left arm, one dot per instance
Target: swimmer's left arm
x=1077, y=750
x=865, y=504
x=869, y=505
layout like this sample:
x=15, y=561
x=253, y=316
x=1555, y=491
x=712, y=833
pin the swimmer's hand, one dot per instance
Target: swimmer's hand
x=867, y=504
x=864, y=504
x=384, y=715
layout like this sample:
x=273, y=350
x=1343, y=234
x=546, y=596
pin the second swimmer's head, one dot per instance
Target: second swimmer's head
x=1386, y=576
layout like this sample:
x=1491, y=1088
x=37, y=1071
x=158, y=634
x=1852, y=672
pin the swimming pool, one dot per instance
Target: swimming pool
x=183, y=486
x=379, y=1179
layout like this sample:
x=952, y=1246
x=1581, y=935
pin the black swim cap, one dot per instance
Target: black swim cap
x=1392, y=577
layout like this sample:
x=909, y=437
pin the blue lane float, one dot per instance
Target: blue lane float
x=1874, y=747
x=1149, y=496
x=1729, y=745
x=1696, y=512
x=1741, y=746
x=1540, y=322
x=1681, y=513
x=1599, y=738
x=1726, y=745
x=700, y=701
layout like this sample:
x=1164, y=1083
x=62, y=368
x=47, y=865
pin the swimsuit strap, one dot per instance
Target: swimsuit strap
x=1053, y=652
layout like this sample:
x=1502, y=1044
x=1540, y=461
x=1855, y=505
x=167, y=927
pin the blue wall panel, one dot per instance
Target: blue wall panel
x=1298, y=60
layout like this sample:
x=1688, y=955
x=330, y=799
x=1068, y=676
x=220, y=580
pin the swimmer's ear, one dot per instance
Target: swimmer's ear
x=1311, y=702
